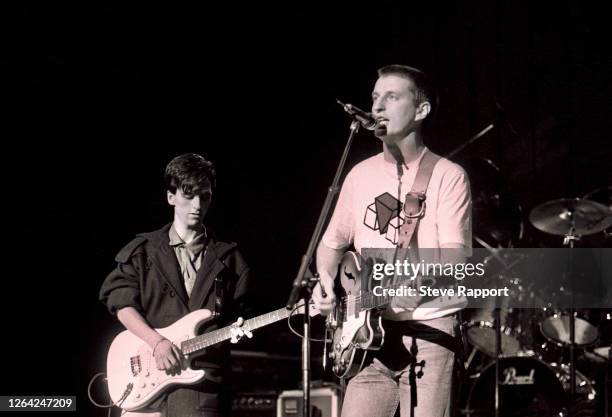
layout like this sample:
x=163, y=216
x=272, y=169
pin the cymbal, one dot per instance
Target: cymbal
x=558, y=216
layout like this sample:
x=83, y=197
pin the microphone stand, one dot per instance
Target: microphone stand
x=302, y=282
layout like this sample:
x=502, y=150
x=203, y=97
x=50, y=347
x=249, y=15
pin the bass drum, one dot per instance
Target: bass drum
x=529, y=387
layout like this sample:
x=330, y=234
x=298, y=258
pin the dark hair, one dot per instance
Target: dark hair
x=424, y=89
x=190, y=172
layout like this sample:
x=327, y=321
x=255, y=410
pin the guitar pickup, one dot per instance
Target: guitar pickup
x=135, y=365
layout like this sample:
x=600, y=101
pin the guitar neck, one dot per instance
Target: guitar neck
x=193, y=346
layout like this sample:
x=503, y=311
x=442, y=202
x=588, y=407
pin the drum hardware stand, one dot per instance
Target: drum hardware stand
x=571, y=218
x=464, y=342
x=569, y=240
x=498, y=354
x=608, y=383
x=497, y=312
x=470, y=358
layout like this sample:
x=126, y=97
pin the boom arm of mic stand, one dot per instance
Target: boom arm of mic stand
x=300, y=282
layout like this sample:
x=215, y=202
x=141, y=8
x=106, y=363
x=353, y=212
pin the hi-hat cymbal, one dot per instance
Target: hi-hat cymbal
x=557, y=217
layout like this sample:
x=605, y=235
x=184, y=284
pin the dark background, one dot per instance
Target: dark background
x=101, y=97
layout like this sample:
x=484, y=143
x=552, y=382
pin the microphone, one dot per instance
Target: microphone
x=366, y=119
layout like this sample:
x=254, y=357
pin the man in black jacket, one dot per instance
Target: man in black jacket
x=163, y=275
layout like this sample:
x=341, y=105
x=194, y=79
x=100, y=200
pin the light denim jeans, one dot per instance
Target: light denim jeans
x=377, y=389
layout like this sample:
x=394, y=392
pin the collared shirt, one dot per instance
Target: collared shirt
x=189, y=255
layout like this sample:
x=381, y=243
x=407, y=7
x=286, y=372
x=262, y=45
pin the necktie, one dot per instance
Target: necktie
x=189, y=253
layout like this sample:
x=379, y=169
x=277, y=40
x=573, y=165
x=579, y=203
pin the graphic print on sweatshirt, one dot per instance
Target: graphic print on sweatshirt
x=385, y=214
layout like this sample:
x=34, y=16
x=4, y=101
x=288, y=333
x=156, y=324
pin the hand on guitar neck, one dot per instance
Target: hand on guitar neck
x=169, y=357
x=328, y=260
x=238, y=331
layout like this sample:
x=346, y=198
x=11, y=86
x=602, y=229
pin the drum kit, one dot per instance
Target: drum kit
x=535, y=361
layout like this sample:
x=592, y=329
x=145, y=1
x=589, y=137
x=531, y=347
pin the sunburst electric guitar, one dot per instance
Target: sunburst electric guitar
x=133, y=378
x=356, y=322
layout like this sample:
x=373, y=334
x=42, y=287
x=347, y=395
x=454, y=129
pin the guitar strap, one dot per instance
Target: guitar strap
x=415, y=205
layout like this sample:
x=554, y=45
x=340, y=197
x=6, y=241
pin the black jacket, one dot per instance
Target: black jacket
x=148, y=278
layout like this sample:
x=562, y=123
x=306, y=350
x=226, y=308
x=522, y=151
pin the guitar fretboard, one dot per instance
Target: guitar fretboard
x=198, y=343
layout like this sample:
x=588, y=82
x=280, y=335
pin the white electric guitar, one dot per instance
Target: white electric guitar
x=133, y=378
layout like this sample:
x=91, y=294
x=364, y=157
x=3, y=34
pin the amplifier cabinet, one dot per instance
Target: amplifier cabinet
x=324, y=401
